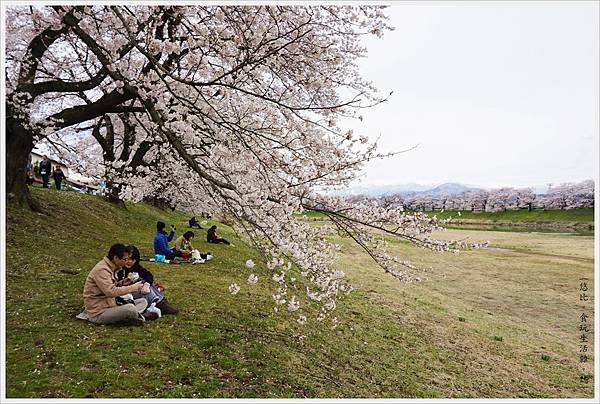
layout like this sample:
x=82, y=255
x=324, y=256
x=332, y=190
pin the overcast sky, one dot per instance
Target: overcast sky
x=494, y=93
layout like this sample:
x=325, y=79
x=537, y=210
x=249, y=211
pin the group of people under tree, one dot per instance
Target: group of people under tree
x=45, y=170
x=182, y=247
x=120, y=290
x=183, y=244
x=111, y=295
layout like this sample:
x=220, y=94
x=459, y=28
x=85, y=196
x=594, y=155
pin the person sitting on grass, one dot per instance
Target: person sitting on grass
x=100, y=292
x=161, y=242
x=194, y=223
x=126, y=277
x=184, y=242
x=212, y=237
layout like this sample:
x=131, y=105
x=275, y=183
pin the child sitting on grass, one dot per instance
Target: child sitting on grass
x=131, y=267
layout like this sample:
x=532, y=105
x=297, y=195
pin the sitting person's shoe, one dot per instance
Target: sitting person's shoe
x=150, y=315
x=166, y=308
x=139, y=321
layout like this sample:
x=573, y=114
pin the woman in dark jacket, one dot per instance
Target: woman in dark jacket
x=194, y=223
x=133, y=266
x=212, y=237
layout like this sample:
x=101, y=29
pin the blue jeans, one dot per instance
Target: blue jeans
x=153, y=297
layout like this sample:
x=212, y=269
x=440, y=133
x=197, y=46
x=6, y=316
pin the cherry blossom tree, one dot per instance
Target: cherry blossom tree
x=250, y=71
x=570, y=196
x=230, y=109
x=525, y=198
x=582, y=195
x=500, y=199
x=564, y=196
x=420, y=202
x=105, y=151
x=393, y=201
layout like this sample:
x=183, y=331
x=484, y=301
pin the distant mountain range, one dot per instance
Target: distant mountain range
x=410, y=189
x=413, y=189
x=449, y=188
x=379, y=190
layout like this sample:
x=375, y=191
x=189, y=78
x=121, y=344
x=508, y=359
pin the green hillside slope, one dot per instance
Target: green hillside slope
x=432, y=339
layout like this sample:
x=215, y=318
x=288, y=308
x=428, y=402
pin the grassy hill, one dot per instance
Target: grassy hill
x=511, y=336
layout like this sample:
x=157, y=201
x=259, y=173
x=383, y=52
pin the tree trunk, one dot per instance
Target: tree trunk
x=158, y=202
x=112, y=194
x=19, y=144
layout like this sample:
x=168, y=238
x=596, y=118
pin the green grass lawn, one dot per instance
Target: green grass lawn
x=437, y=338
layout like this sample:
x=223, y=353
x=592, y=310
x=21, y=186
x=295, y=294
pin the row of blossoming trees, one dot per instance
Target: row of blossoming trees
x=564, y=196
x=231, y=109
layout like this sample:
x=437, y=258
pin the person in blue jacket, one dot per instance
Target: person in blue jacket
x=161, y=242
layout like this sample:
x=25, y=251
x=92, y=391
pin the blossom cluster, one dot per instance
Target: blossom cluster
x=563, y=196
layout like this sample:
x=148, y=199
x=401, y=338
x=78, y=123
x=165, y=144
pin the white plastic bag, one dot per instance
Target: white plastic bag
x=127, y=297
x=154, y=309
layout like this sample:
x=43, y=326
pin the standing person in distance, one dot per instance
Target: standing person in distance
x=58, y=176
x=45, y=171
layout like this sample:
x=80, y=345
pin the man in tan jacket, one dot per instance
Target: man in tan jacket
x=100, y=291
